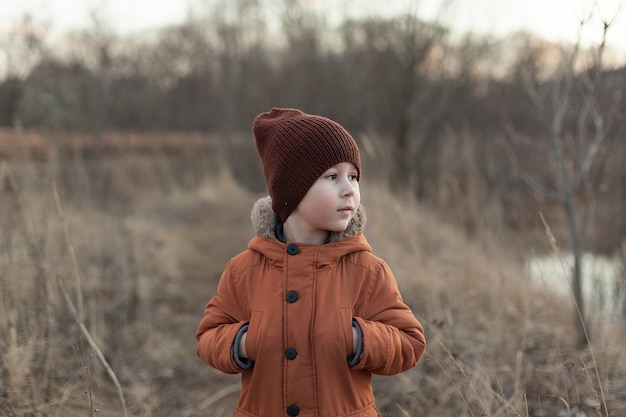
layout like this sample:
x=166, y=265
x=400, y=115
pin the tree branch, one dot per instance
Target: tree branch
x=537, y=187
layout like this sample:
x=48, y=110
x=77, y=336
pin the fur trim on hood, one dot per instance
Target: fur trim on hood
x=264, y=221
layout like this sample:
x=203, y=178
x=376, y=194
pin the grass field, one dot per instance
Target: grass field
x=137, y=242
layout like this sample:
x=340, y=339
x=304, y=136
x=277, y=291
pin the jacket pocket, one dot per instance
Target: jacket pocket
x=345, y=320
x=255, y=333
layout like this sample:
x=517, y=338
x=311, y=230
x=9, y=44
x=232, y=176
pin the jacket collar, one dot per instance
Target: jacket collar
x=264, y=221
x=340, y=244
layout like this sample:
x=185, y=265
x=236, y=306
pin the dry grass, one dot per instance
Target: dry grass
x=151, y=233
x=497, y=345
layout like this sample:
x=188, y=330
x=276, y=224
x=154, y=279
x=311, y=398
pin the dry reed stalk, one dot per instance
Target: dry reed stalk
x=42, y=299
x=517, y=379
x=79, y=314
x=6, y=284
x=452, y=380
x=557, y=251
x=93, y=345
x=224, y=392
x=70, y=248
x=471, y=384
x=526, y=405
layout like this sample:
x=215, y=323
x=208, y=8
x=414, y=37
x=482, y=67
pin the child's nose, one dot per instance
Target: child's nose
x=348, y=189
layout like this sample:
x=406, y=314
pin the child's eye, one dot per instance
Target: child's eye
x=331, y=176
x=352, y=177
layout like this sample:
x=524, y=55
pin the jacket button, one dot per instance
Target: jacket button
x=292, y=249
x=291, y=353
x=291, y=297
x=293, y=410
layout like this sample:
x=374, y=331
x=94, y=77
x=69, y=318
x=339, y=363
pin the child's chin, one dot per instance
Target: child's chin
x=339, y=228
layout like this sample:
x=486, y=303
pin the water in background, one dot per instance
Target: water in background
x=604, y=281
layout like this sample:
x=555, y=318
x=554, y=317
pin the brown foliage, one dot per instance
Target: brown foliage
x=152, y=231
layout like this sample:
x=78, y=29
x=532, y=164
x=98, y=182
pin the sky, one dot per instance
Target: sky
x=555, y=20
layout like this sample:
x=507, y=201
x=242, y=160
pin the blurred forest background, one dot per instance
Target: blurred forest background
x=128, y=170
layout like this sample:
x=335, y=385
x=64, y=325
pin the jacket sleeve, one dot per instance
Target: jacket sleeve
x=393, y=339
x=222, y=321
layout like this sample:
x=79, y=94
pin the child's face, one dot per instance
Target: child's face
x=331, y=202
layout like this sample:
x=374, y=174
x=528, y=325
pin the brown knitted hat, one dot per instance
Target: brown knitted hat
x=295, y=149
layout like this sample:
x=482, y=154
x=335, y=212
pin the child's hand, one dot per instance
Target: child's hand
x=242, y=345
x=355, y=340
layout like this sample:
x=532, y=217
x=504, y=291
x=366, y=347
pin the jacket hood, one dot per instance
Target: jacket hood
x=264, y=221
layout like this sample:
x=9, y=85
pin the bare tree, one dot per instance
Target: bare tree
x=23, y=48
x=578, y=110
x=391, y=62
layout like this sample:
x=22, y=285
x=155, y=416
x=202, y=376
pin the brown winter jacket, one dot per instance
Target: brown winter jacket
x=299, y=302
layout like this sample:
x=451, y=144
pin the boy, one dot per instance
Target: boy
x=307, y=313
